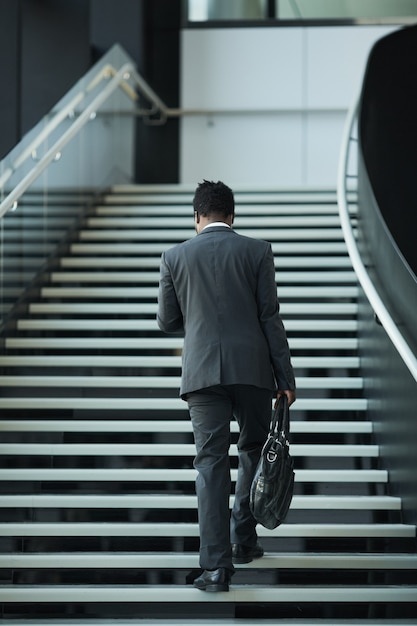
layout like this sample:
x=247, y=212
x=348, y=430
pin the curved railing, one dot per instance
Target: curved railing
x=363, y=276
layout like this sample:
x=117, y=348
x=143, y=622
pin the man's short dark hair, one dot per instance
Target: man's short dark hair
x=212, y=198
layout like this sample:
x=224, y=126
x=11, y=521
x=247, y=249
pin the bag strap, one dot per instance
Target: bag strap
x=280, y=421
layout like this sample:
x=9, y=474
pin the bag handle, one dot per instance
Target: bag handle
x=281, y=417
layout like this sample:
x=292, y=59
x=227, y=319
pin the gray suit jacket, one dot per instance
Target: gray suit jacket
x=219, y=290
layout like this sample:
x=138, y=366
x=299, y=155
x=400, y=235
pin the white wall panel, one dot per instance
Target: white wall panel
x=307, y=76
x=239, y=149
x=336, y=59
x=324, y=131
x=242, y=68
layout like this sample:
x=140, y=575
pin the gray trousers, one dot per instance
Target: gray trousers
x=211, y=411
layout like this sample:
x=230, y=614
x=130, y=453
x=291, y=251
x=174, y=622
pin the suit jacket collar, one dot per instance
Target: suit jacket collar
x=216, y=229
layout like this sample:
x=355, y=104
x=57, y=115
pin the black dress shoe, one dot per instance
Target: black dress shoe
x=215, y=580
x=246, y=554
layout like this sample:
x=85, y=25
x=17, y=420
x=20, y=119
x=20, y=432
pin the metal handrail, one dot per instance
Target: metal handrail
x=75, y=127
x=371, y=293
x=118, y=79
x=107, y=71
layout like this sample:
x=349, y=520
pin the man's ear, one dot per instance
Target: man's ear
x=196, y=217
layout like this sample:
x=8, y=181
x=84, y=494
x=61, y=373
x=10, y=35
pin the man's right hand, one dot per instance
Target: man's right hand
x=290, y=393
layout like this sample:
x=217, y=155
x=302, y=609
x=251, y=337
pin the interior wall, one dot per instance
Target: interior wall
x=148, y=31
x=9, y=75
x=52, y=58
x=279, y=96
x=158, y=146
x=44, y=49
x=288, y=9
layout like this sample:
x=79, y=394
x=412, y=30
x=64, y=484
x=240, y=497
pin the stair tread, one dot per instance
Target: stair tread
x=317, y=291
x=312, y=308
x=180, y=560
x=181, y=234
x=154, y=262
x=160, y=529
x=168, y=404
x=348, y=362
x=304, y=247
x=131, y=276
x=179, y=501
x=179, y=593
x=161, y=343
x=250, y=208
x=246, y=219
x=153, y=449
x=184, y=475
x=124, y=325
x=169, y=426
x=171, y=382
x=264, y=193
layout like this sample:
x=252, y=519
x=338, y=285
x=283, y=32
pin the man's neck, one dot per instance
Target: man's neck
x=202, y=222
x=214, y=224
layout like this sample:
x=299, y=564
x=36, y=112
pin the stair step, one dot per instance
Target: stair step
x=248, y=210
x=168, y=426
x=11, y=294
x=242, y=221
x=177, y=450
x=307, y=362
x=158, y=382
x=165, y=502
x=87, y=293
x=173, y=235
x=157, y=343
x=158, y=529
x=180, y=475
x=172, y=194
x=130, y=262
x=39, y=249
x=150, y=308
x=19, y=277
x=165, y=404
x=122, y=194
x=305, y=247
x=292, y=277
x=55, y=220
x=174, y=560
x=35, y=234
x=180, y=594
x=151, y=325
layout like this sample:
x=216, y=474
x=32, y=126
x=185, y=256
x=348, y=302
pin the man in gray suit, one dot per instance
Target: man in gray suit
x=219, y=290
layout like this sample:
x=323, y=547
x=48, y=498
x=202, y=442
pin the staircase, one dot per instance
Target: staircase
x=97, y=507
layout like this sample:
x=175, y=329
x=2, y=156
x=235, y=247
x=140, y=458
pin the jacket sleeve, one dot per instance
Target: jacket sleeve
x=271, y=323
x=169, y=316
